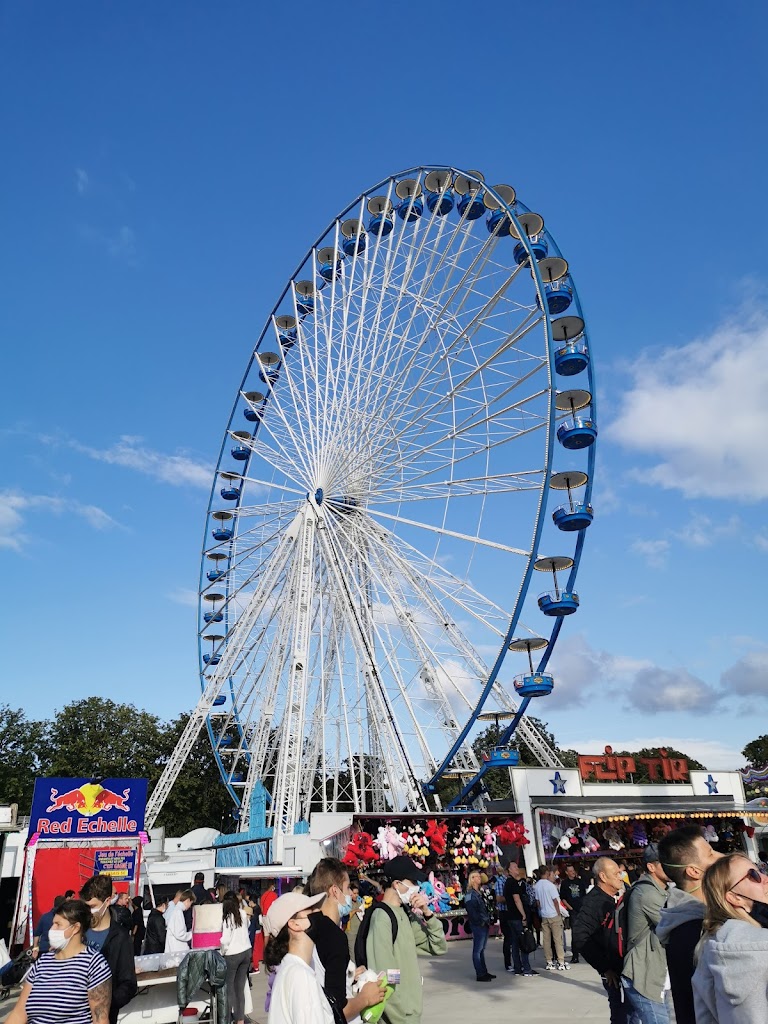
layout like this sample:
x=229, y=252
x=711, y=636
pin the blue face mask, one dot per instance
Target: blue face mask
x=346, y=906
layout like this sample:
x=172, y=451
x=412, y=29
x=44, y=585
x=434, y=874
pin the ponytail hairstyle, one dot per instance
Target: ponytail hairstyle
x=715, y=886
x=276, y=948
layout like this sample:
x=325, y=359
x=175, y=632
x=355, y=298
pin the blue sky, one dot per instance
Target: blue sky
x=165, y=168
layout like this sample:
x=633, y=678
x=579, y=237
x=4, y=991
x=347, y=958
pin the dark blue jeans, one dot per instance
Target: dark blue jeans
x=616, y=1004
x=520, y=959
x=479, y=940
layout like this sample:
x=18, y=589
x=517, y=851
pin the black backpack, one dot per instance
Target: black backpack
x=361, y=939
x=12, y=973
x=615, y=930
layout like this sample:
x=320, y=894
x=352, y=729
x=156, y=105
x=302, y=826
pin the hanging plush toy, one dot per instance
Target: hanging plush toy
x=436, y=836
x=440, y=901
x=490, y=846
x=614, y=840
x=380, y=842
x=639, y=835
x=360, y=850
x=395, y=842
x=588, y=842
x=566, y=841
x=659, y=831
x=513, y=833
x=709, y=833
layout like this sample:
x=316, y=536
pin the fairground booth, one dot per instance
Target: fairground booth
x=601, y=807
x=79, y=828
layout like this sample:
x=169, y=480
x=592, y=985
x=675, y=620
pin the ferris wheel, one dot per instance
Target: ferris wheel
x=390, y=480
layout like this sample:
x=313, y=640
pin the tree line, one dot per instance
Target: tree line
x=99, y=738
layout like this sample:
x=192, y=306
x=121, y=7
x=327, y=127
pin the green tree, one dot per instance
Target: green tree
x=98, y=738
x=756, y=752
x=22, y=743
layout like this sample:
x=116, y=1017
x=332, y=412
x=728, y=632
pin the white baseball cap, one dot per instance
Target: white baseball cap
x=287, y=906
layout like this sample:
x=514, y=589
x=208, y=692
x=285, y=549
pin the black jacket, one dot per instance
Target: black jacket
x=154, y=941
x=118, y=952
x=680, y=947
x=587, y=936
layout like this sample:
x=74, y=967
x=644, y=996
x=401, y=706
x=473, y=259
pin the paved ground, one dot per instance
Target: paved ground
x=451, y=993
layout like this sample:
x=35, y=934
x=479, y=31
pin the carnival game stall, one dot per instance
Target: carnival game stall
x=600, y=807
x=447, y=847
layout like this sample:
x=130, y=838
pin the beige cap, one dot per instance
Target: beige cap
x=287, y=906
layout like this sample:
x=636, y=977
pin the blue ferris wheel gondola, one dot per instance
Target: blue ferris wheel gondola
x=426, y=196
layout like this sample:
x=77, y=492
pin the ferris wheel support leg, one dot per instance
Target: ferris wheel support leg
x=218, y=681
x=285, y=808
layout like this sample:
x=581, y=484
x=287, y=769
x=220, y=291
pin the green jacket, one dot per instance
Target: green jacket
x=413, y=936
x=646, y=961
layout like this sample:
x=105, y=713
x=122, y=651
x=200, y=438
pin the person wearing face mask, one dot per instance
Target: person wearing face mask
x=685, y=855
x=730, y=983
x=71, y=983
x=290, y=927
x=418, y=931
x=331, y=879
x=112, y=940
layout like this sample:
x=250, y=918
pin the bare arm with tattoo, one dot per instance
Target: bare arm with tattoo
x=100, y=999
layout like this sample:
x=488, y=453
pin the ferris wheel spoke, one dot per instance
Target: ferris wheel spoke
x=449, y=533
x=375, y=689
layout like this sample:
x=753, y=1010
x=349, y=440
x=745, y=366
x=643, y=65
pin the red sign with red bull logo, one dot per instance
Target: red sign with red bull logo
x=88, y=808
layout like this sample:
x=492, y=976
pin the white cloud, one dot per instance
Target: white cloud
x=749, y=675
x=701, y=532
x=82, y=181
x=761, y=543
x=714, y=754
x=185, y=596
x=580, y=670
x=700, y=409
x=178, y=469
x=16, y=505
x=653, y=551
x=659, y=690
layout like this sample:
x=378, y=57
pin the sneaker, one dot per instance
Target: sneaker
x=490, y=977
x=520, y=973
x=574, y=959
x=563, y=966
x=510, y=970
x=485, y=977
x=530, y=974
x=551, y=966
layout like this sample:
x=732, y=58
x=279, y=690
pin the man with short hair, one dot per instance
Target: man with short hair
x=644, y=973
x=154, y=940
x=123, y=910
x=685, y=855
x=572, y=891
x=331, y=877
x=518, y=918
x=177, y=935
x=551, y=921
x=588, y=936
x=111, y=940
x=202, y=896
x=418, y=931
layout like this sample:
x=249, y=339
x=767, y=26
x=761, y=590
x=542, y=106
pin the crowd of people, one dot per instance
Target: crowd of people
x=679, y=943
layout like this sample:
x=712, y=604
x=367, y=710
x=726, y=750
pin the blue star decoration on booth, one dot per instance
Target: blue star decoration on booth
x=558, y=783
x=711, y=786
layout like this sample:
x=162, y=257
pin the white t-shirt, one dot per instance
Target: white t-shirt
x=297, y=997
x=546, y=894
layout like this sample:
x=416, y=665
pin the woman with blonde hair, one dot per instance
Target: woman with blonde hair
x=730, y=983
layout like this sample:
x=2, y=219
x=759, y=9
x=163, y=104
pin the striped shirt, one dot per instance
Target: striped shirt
x=60, y=987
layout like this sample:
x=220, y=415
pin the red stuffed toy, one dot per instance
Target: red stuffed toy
x=511, y=833
x=436, y=834
x=360, y=850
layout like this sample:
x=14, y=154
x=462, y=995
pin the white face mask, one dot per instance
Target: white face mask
x=57, y=938
x=407, y=896
x=98, y=914
x=346, y=906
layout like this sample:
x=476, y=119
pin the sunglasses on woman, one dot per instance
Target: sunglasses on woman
x=753, y=875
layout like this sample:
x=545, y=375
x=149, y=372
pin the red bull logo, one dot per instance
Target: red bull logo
x=89, y=800
x=64, y=807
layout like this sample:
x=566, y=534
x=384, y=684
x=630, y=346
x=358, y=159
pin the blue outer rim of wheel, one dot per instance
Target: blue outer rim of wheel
x=214, y=505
